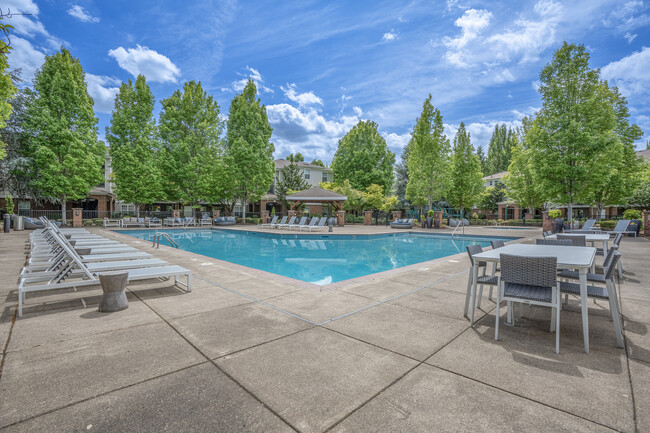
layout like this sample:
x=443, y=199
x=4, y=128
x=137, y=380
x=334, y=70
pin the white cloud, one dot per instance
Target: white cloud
x=627, y=16
x=357, y=111
x=397, y=142
x=630, y=37
x=81, y=14
x=142, y=60
x=523, y=42
x=306, y=130
x=303, y=99
x=630, y=73
x=103, y=90
x=250, y=74
x=26, y=57
x=390, y=36
x=471, y=23
x=28, y=26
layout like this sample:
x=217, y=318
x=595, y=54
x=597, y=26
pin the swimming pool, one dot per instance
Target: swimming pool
x=318, y=259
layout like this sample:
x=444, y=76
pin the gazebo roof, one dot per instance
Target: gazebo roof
x=316, y=194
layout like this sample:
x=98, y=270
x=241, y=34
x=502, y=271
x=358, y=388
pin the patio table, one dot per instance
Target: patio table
x=579, y=258
x=589, y=237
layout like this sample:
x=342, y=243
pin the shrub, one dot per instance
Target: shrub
x=9, y=204
x=607, y=224
x=632, y=214
x=430, y=213
x=474, y=216
x=555, y=213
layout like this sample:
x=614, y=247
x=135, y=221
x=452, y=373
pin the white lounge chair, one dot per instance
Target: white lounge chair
x=301, y=223
x=277, y=225
x=271, y=224
x=290, y=223
x=313, y=222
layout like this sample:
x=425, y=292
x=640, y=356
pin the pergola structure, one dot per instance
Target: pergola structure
x=316, y=196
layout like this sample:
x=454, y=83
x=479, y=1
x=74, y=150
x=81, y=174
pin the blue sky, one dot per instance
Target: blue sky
x=322, y=66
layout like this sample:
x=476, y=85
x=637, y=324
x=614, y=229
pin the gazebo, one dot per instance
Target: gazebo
x=316, y=196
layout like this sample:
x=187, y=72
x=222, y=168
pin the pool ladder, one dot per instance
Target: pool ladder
x=158, y=235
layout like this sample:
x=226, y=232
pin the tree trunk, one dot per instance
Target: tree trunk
x=599, y=208
x=243, y=209
x=137, y=210
x=570, y=212
x=63, y=219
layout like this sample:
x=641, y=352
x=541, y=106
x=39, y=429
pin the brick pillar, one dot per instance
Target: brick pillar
x=77, y=217
x=397, y=214
x=500, y=212
x=176, y=213
x=265, y=216
x=646, y=223
x=438, y=217
x=547, y=224
x=367, y=218
x=216, y=213
x=340, y=218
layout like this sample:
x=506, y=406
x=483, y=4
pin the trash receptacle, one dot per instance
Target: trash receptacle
x=19, y=223
x=7, y=223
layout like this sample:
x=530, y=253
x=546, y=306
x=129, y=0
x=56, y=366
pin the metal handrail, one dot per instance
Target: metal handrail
x=454, y=232
x=190, y=221
x=158, y=235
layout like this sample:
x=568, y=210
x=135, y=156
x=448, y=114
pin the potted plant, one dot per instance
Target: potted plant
x=556, y=215
x=430, y=218
x=423, y=221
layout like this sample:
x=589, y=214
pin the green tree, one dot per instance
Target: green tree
x=466, y=176
x=291, y=179
x=624, y=164
x=249, y=148
x=402, y=179
x=318, y=162
x=574, y=132
x=363, y=158
x=491, y=197
x=16, y=168
x=355, y=199
x=500, y=149
x=7, y=88
x=428, y=160
x=641, y=196
x=191, y=152
x=295, y=158
x=481, y=157
x=131, y=137
x=67, y=157
x=374, y=196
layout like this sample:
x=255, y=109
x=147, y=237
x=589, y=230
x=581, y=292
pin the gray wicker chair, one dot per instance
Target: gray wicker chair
x=577, y=241
x=547, y=233
x=482, y=279
x=607, y=293
x=564, y=243
x=495, y=245
x=598, y=278
x=530, y=280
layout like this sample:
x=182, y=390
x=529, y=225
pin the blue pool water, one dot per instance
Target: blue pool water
x=318, y=259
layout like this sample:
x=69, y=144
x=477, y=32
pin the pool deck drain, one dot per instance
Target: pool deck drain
x=246, y=352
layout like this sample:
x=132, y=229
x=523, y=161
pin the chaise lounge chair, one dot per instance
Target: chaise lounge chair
x=404, y=223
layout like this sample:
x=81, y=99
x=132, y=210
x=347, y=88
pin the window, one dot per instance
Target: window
x=307, y=174
x=326, y=177
x=127, y=208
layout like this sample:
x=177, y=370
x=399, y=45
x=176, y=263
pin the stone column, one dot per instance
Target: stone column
x=397, y=214
x=340, y=218
x=646, y=223
x=216, y=213
x=265, y=216
x=547, y=224
x=176, y=213
x=438, y=217
x=367, y=218
x=77, y=217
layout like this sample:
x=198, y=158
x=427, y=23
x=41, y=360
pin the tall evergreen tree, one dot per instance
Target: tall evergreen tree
x=131, y=137
x=573, y=138
x=191, y=153
x=364, y=158
x=481, y=157
x=317, y=162
x=67, y=157
x=500, y=149
x=402, y=178
x=291, y=179
x=249, y=148
x=295, y=158
x=428, y=160
x=466, y=175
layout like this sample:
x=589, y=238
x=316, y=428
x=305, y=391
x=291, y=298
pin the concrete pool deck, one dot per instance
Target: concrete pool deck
x=243, y=352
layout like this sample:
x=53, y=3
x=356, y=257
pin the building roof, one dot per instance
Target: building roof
x=645, y=154
x=495, y=176
x=100, y=190
x=281, y=163
x=316, y=193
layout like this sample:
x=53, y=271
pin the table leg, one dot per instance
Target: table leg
x=585, y=310
x=473, y=301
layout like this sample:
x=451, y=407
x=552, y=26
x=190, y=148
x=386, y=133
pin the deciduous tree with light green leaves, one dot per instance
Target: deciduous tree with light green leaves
x=520, y=181
x=249, y=148
x=7, y=88
x=132, y=140
x=573, y=136
x=428, y=159
x=466, y=176
x=191, y=147
x=355, y=199
x=364, y=158
x=67, y=157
